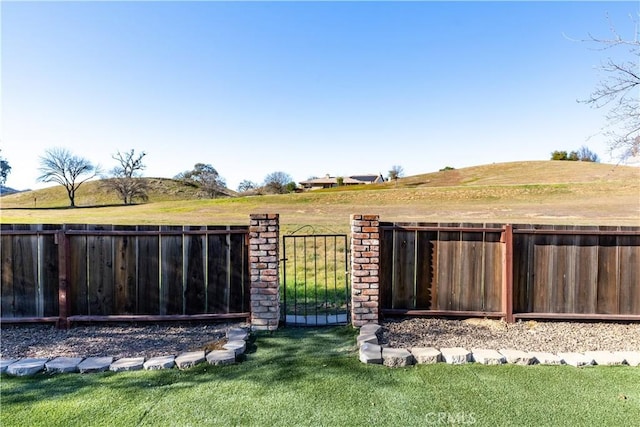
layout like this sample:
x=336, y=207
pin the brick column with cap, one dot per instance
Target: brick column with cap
x=264, y=238
x=365, y=269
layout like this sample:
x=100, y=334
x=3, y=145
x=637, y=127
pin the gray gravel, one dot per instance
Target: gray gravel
x=116, y=340
x=523, y=335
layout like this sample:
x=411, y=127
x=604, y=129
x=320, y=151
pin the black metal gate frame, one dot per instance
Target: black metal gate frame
x=284, y=260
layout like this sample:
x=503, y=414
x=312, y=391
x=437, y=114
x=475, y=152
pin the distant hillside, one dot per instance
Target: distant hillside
x=522, y=173
x=521, y=192
x=93, y=194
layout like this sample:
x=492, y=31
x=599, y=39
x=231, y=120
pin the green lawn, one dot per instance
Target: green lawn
x=312, y=377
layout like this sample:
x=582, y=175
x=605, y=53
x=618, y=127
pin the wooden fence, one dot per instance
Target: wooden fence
x=519, y=271
x=103, y=272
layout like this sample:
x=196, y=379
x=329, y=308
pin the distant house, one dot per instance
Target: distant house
x=332, y=181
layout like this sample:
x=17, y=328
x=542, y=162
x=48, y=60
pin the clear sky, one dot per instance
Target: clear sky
x=307, y=88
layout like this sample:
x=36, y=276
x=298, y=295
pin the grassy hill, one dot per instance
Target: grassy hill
x=518, y=192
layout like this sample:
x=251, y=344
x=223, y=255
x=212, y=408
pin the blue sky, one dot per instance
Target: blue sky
x=307, y=88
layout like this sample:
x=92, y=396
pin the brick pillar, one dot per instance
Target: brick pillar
x=264, y=236
x=365, y=269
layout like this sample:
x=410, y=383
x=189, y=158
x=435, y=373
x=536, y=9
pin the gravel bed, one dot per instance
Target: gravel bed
x=116, y=340
x=523, y=335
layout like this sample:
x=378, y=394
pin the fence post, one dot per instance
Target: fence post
x=365, y=269
x=507, y=273
x=64, y=269
x=264, y=235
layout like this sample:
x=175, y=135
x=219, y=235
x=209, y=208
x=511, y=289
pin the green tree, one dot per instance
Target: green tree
x=61, y=166
x=5, y=170
x=559, y=155
x=206, y=177
x=126, y=178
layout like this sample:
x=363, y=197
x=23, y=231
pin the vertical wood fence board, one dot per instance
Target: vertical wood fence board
x=6, y=252
x=387, y=259
x=125, y=271
x=492, y=271
x=100, y=271
x=608, y=273
x=242, y=269
x=25, y=273
x=471, y=269
x=425, y=245
x=586, y=272
x=148, y=274
x=564, y=282
x=49, y=271
x=404, y=270
x=523, y=272
x=448, y=269
x=171, y=267
x=78, y=289
x=218, y=283
x=195, y=292
x=544, y=271
x=236, y=260
x=629, y=268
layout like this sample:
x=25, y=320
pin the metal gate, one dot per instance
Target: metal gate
x=315, y=278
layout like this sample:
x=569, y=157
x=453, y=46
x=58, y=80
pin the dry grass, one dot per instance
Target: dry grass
x=521, y=192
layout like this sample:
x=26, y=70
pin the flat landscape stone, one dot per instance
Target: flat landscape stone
x=238, y=346
x=235, y=334
x=94, y=364
x=371, y=353
x=63, y=365
x=367, y=338
x=4, y=364
x=546, y=358
x=517, y=357
x=27, y=366
x=396, y=357
x=370, y=329
x=632, y=358
x=575, y=359
x=189, y=359
x=487, y=357
x=426, y=355
x=160, y=362
x=605, y=358
x=221, y=357
x=455, y=355
x=127, y=364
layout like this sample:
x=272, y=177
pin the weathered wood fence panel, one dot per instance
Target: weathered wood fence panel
x=123, y=271
x=460, y=269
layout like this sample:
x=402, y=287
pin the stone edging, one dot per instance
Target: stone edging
x=233, y=349
x=370, y=351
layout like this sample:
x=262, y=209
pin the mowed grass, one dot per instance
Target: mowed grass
x=544, y=192
x=313, y=377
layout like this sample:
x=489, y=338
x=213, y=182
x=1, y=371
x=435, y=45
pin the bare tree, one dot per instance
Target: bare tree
x=246, y=186
x=395, y=172
x=206, y=177
x=619, y=91
x=59, y=165
x=126, y=178
x=279, y=183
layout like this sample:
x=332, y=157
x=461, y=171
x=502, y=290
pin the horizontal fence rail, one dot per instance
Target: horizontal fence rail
x=511, y=271
x=72, y=272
